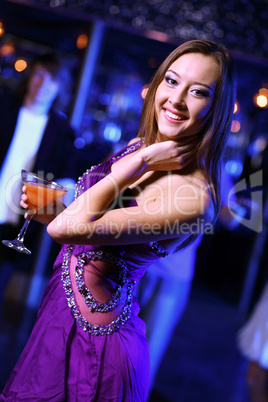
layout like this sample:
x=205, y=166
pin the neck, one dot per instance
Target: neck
x=189, y=169
x=35, y=107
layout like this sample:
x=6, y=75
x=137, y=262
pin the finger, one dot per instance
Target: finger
x=24, y=198
x=190, y=148
x=23, y=204
x=186, y=150
x=185, y=159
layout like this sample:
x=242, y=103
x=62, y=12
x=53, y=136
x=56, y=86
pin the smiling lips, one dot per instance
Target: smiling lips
x=172, y=116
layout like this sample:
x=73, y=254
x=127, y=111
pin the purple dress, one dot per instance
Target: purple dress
x=88, y=343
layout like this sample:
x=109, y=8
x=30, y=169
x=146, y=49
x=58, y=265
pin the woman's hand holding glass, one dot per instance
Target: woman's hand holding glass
x=44, y=214
x=41, y=193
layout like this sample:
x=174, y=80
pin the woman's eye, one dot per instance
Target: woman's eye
x=170, y=80
x=200, y=92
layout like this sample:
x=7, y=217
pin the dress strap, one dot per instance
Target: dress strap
x=158, y=249
x=127, y=150
x=97, y=172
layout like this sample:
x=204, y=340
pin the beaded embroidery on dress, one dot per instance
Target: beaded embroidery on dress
x=113, y=255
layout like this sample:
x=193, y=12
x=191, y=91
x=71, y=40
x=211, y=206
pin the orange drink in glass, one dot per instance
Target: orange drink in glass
x=40, y=193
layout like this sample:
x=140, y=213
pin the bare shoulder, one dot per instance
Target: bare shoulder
x=188, y=195
x=136, y=139
x=189, y=205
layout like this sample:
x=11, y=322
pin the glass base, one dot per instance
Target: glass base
x=17, y=245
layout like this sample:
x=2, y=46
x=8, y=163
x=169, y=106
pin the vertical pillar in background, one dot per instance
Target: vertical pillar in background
x=87, y=72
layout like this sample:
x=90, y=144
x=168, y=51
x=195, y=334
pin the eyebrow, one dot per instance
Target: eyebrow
x=196, y=82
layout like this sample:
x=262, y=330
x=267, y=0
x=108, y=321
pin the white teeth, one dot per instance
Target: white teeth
x=173, y=116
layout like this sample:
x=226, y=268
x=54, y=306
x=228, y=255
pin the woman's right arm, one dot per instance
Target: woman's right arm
x=86, y=220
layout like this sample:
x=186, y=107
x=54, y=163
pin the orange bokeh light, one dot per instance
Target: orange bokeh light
x=20, y=65
x=261, y=98
x=2, y=29
x=7, y=49
x=236, y=107
x=82, y=41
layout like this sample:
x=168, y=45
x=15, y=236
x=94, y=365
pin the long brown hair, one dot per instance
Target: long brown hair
x=214, y=136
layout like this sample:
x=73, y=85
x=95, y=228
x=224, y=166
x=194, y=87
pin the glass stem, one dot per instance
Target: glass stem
x=24, y=228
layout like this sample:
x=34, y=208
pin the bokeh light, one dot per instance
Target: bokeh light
x=236, y=126
x=261, y=101
x=20, y=65
x=261, y=98
x=82, y=41
x=2, y=29
x=112, y=132
x=234, y=167
x=236, y=107
x=7, y=49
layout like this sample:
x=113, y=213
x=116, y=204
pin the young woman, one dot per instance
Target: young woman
x=152, y=198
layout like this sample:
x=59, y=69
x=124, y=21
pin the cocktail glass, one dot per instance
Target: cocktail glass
x=40, y=193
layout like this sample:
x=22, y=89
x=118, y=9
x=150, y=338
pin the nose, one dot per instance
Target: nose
x=177, y=98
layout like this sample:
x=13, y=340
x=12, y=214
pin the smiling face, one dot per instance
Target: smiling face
x=183, y=99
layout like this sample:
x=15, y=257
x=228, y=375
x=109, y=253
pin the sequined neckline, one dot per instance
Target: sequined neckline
x=80, y=185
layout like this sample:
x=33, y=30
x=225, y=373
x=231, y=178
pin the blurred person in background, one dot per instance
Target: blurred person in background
x=253, y=345
x=252, y=337
x=35, y=136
